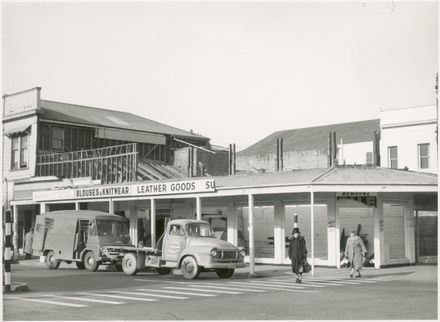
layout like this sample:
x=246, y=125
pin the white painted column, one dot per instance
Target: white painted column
x=199, y=208
x=331, y=230
x=15, y=230
x=312, y=231
x=44, y=208
x=410, y=249
x=232, y=224
x=111, y=206
x=153, y=222
x=279, y=239
x=76, y=205
x=379, y=253
x=132, y=217
x=337, y=235
x=251, y=235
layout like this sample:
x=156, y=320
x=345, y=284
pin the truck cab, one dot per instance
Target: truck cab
x=188, y=245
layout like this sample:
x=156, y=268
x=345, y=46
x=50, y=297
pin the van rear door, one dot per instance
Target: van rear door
x=39, y=232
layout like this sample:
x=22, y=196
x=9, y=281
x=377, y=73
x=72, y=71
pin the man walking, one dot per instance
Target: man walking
x=297, y=254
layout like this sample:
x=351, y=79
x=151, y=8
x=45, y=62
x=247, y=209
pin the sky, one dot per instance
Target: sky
x=232, y=71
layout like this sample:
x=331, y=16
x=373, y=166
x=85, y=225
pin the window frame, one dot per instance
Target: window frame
x=419, y=156
x=56, y=128
x=389, y=157
x=19, y=149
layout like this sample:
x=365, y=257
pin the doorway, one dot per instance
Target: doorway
x=426, y=236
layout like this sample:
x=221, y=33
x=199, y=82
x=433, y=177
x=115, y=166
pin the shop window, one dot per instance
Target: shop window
x=263, y=230
x=369, y=158
x=394, y=230
x=392, y=157
x=19, y=152
x=304, y=225
x=423, y=153
x=57, y=138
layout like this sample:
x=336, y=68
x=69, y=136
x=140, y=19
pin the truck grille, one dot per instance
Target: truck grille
x=229, y=254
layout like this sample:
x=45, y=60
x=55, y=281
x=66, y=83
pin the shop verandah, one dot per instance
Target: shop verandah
x=257, y=211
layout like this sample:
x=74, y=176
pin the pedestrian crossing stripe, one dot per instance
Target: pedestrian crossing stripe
x=50, y=302
x=215, y=285
x=288, y=284
x=184, y=293
x=277, y=288
x=315, y=282
x=153, y=295
x=120, y=297
x=262, y=283
x=202, y=290
x=85, y=299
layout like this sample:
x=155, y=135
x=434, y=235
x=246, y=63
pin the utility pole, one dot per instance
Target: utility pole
x=436, y=110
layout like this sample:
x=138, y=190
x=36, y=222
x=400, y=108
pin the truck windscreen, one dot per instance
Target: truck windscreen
x=199, y=230
x=112, y=228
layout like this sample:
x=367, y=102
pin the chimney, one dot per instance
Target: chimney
x=330, y=148
x=376, y=149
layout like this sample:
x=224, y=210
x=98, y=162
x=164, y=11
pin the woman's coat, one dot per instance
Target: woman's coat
x=297, y=253
x=28, y=239
x=353, y=250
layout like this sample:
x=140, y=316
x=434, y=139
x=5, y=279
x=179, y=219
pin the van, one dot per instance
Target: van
x=88, y=238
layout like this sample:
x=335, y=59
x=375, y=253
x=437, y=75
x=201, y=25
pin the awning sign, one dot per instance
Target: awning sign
x=356, y=194
x=127, y=190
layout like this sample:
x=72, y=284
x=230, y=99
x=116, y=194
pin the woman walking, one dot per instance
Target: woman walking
x=297, y=254
x=354, y=251
x=28, y=239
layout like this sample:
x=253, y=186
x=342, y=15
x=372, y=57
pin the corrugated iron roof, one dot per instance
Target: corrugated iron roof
x=65, y=112
x=315, y=138
x=360, y=175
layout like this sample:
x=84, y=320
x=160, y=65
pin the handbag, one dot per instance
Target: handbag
x=307, y=267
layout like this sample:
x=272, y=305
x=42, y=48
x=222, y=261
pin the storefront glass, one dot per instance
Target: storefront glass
x=263, y=230
x=356, y=215
x=320, y=221
x=426, y=236
x=394, y=230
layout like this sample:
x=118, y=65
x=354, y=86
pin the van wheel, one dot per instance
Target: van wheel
x=164, y=270
x=190, y=268
x=129, y=264
x=224, y=272
x=80, y=265
x=90, y=262
x=51, y=261
x=118, y=267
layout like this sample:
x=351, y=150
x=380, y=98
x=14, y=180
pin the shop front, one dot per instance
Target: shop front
x=258, y=211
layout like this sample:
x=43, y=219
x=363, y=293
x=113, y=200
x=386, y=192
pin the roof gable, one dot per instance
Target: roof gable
x=92, y=116
x=315, y=138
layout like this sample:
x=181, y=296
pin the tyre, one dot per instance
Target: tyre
x=190, y=268
x=224, y=272
x=164, y=270
x=90, y=262
x=51, y=261
x=80, y=265
x=129, y=263
x=118, y=267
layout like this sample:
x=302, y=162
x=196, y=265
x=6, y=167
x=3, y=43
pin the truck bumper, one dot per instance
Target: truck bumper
x=111, y=259
x=225, y=265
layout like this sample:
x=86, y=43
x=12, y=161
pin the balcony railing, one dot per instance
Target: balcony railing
x=113, y=164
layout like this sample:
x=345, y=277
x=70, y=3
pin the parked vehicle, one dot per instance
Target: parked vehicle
x=188, y=245
x=88, y=238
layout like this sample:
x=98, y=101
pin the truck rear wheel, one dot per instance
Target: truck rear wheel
x=164, y=270
x=129, y=264
x=90, y=262
x=224, y=272
x=190, y=268
x=51, y=261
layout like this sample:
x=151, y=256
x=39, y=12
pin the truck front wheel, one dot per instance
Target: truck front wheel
x=190, y=269
x=129, y=264
x=225, y=272
x=90, y=262
x=51, y=261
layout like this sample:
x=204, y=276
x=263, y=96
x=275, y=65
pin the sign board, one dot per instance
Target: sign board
x=21, y=102
x=129, y=190
x=367, y=198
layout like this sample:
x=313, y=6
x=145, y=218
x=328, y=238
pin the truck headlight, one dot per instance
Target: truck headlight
x=242, y=253
x=214, y=252
x=103, y=250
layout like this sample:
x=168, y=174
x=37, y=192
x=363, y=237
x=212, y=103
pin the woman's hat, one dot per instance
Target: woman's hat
x=295, y=230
